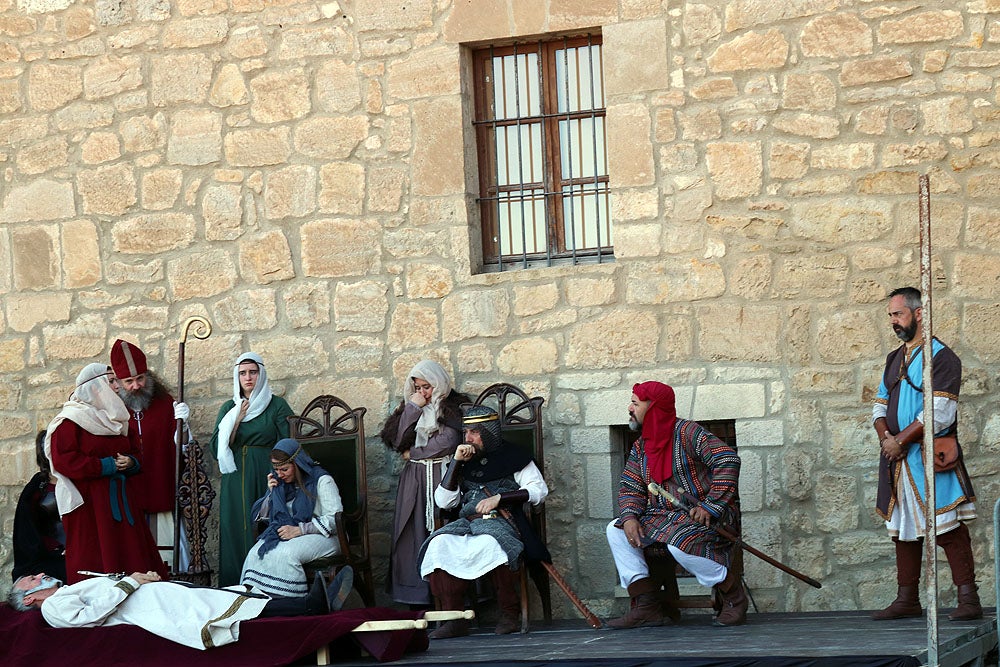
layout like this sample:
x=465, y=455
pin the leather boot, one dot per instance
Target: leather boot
x=734, y=601
x=968, y=608
x=450, y=592
x=957, y=545
x=644, y=607
x=505, y=585
x=906, y=605
x=909, y=558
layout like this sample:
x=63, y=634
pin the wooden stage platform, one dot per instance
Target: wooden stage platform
x=817, y=639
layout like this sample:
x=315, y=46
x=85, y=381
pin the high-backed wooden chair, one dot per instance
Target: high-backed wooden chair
x=521, y=426
x=333, y=433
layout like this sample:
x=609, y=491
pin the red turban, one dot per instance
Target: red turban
x=127, y=360
x=658, y=428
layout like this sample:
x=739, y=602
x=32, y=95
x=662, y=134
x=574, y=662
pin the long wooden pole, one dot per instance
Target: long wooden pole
x=735, y=539
x=927, y=331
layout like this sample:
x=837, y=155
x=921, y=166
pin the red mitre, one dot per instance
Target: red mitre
x=127, y=360
x=658, y=427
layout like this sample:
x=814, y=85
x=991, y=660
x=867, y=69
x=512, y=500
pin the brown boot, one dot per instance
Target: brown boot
x=450, y=592
x=957, y=545
x=457, y=628
x=734, y=601
x=505, y=585
x=644, y=607
x=909, y=559
x=906, y=605
x=968, y=608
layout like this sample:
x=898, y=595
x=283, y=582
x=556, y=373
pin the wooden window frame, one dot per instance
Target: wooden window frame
x=558, y=250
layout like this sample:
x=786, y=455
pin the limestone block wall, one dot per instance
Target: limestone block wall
x=303, y=174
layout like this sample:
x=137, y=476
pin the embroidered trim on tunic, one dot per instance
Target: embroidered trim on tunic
x=125, y=586
x=206, y=633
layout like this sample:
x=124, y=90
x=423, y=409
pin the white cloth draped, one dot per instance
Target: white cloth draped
x=437, y=377
x=260, y=398
x=97, y=409
x=197, y=617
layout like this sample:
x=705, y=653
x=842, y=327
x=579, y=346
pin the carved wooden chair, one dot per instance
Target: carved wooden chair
x=333, y=433
x=521, y=426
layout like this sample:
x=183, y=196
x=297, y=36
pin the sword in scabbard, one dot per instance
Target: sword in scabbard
x=563, y=585
x=656, y=489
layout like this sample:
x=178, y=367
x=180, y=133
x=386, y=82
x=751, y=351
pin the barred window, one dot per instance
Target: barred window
x=542, y=161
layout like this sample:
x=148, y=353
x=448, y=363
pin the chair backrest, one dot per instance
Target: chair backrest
x=333, y=433
x=521, y=426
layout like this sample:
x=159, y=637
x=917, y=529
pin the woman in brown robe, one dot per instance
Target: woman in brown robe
x=425, y=429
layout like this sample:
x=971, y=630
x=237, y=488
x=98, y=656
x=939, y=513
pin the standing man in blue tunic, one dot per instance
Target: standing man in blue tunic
x=897, y=416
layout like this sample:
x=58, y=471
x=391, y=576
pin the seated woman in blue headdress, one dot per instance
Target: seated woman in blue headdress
x=300, y=505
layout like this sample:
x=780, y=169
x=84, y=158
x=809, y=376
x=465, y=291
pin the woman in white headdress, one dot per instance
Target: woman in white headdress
x=93, y=460
x=425, y=428
x=247, y=427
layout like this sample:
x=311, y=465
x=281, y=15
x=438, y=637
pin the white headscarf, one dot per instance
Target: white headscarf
x=433, y=373
x=260, y=398
x=97, y=409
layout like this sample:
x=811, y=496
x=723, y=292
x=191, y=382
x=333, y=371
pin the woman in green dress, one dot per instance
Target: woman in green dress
x=247, y=428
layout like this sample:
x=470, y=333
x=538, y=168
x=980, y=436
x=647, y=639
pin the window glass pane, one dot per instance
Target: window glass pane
x=521, y=222
x=519, y=154
x=581, y=144
x=516, y=86
x=578, y=79
x=586, y=213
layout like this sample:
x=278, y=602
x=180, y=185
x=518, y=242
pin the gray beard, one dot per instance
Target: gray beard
x=906, y=334
x=138, y=401
x=633, y=425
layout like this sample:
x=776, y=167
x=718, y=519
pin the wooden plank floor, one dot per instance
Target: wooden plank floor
x=812, y=635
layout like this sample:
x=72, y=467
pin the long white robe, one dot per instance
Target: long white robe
x=197, y=617
x=471, y=556
x=280, y=572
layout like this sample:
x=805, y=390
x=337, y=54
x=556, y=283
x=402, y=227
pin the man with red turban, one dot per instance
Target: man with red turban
x=703, y=473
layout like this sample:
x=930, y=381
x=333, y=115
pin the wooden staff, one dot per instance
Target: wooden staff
x=203, y=331
x=591, y=619
x=660, y=491
x=563, y=585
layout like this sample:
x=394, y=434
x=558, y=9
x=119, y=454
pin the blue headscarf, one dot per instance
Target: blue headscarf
x=303, y=500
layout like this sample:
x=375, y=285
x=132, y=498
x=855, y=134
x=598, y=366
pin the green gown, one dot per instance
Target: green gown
x=238, y=490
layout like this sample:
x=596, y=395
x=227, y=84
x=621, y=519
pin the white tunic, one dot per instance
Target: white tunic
x=471, y=556
x=280, y=572
x=197, y=617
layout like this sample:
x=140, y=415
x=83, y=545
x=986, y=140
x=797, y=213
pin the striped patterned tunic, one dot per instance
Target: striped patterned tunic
x=703, y=467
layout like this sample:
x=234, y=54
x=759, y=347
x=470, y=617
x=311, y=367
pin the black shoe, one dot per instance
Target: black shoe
x=339, y=588
x=316, y=599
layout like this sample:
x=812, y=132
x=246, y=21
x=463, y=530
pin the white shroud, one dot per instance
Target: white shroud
x=197, y=617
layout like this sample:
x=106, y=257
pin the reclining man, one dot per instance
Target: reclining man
x=496, y=479
x=702, y=471
x=193, y=616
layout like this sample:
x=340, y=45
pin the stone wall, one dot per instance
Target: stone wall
x=303, y=175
